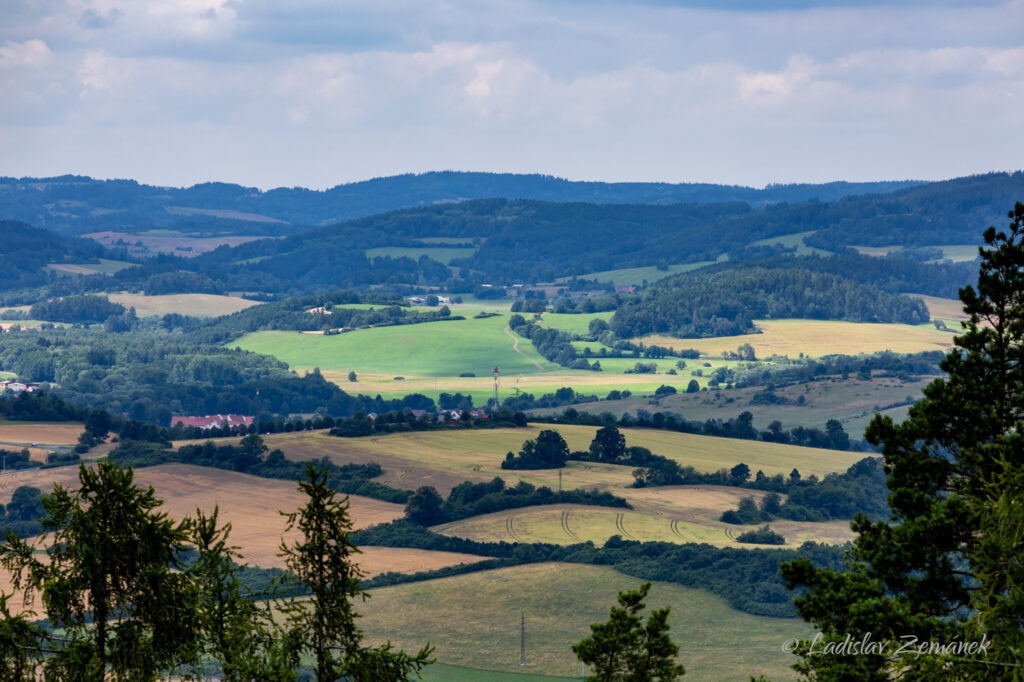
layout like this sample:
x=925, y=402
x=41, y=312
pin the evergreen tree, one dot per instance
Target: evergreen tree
x=322, y=560
x=625, y=649
x=948, y=566
x=109, y=580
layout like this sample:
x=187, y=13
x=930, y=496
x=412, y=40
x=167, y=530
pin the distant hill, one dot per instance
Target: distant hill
x=73, y=204
x=25, y=252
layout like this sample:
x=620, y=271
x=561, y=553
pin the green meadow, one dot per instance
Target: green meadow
x=483, y=613
x=625, y=277
x=428, y=349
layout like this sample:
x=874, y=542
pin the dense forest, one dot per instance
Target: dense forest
x=27, y=250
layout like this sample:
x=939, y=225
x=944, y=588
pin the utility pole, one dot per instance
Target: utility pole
x=522, y=639
x=559, y=480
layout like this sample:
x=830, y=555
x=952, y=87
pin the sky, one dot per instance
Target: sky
x=315, y=93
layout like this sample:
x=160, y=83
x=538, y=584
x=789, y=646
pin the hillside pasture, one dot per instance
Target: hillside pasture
x=44, y=433
x=439, y=253
x=625, y=277
x=943, y=308
x=426, y=349
x=574, y=323
x=852, y=401
x=167, y=242
x=816, y=338
x=682, y=515
x=195, y=305
x=793, y=241
x=446, y=458
x=560, y=601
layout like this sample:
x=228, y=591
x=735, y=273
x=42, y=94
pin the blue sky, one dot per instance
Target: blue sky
x=319, y=92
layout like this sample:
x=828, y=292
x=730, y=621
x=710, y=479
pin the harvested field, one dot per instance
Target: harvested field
x=943, y=308
x=45, y=433
x=196, y=305
x=816, y=338
x=179, y=245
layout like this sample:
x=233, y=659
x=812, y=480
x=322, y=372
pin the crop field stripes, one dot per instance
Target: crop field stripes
x=511, y=530
x=622, y=527
x=565, y=527
x=730, y=533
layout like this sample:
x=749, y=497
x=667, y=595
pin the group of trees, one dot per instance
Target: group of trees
x=123, y=604
x=426, y=506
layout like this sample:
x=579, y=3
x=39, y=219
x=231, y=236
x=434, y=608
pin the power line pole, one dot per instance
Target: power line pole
x=522, y=640
x=496, y=404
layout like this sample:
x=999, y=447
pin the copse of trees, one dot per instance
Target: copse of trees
x=547, y=451
x=86, y=309
x=428, y=508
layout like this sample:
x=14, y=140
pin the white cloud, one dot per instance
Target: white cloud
x=605, y=91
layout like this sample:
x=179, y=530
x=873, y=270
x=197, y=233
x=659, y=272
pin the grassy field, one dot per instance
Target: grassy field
x=795, y=240
x=446, y=458
x=815, y=338
x=428, y=349
x=483, y=610
x=105, y=266
x=575, y=324
x=953, y=252
x=852, y=401
x=625, y=277
x=439, y=253
x=685, y=519
x=196, y=305
x=949, y=309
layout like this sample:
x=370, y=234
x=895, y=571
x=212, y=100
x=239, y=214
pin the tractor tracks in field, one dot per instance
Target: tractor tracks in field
x=515, y=347
x=565, y=527
x=511, y=530
x=675, y=529
x=619, y=518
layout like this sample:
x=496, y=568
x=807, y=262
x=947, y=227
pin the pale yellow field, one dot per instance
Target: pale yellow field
x=682, y=514
x=196, y=305
x=64, y=433
x=252, y=506
x=482, y=612
x=943, y=308
x=815, y=338
x=444, y=459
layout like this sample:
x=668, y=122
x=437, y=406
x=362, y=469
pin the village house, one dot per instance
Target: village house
x=213, y=421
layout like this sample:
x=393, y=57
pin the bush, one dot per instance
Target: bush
x=762, y=536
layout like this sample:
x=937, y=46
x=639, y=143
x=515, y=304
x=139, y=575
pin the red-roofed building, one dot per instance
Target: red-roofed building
x=213, y=421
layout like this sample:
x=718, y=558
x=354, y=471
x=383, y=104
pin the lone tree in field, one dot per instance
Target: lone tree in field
x=109, y=581
x=323, y=563
x=608, y=445
x=625, y=649
x=949, y=567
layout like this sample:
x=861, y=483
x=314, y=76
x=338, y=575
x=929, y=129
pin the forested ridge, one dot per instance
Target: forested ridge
x=75, y=204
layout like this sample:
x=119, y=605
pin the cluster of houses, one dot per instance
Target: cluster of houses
x=18, y=386
x=420, y=300
x=213, y=421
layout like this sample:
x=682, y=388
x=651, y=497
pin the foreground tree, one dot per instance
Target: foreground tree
x=322, y=561
x=109, y=581
x=625, y=649
x=948, y=567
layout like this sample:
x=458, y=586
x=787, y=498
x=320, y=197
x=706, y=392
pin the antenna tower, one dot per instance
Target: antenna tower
x=496, y=403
